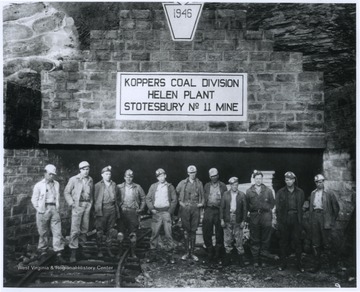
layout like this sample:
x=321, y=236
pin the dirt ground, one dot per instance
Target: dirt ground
x=202, y=274
x=190, y=274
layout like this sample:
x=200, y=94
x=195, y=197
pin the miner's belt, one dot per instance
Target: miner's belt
x=213, y=207
x=84, y=200
x=50, y=204
x=318, y=210
x=260, y=211
x=292, y=211
x=128, y=209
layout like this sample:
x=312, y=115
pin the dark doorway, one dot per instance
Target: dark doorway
x=305, y=163
x=22, y=116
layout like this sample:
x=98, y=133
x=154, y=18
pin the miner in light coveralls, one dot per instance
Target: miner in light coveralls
x=233, y=214
x=79, y=194
x=45, y=199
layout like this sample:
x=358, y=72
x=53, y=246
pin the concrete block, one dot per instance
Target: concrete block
x=134, y=45
x=206, y=45
x=224, y=45
x=190, y=66
x=182, y=46
x=274, y=106
x=140, y=56
x=246, y=46
x=121, y=56
x=256, y=67
x=283, y=97
x=129, y=66
x=228, y=67
x=150, y=66
x=255, y=106
x=285, y=78
x=143, y=25
x=170, y=66
x=94, y=124
x=280, y=57
x=304, y=117
x=196, y=126
x=253, y=35
x=215, y=35
x=313, y=127
x=208, y=67
x=159, y=56
x=152, y=45
x=276, y=127
x=71, y=66
x=238, y=126
x=236, y=56
x=294, y=126
x=159, y=24
x=285, y=117
x=127, y=24
x=217, y=126
x=274, y=66
x=259, y=56
x=144, y=35
x=266, y=117
x=140, y=14
x=298, y=106
x=258, y=126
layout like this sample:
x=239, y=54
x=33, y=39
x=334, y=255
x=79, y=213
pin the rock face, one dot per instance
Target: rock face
x=324, y=33
x=36, y=35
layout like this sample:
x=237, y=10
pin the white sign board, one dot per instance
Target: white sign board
x=182, y=19
x=181, y=96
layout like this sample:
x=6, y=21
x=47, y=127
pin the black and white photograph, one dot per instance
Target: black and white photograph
x=153, y=144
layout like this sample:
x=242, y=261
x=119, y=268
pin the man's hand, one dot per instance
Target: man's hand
x=200, y=205
x=153, y=211
x=242, y=224
x=222, y=223
x=182, y=204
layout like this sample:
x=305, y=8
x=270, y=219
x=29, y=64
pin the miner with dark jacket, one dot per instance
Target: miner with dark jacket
x=106, y=208
x=289, y=203
x=213, y=192
x=191, y=199
x=324, y=210
x=260, y=202
x=233, y=214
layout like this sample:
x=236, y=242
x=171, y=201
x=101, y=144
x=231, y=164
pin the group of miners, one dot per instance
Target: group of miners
x=226, y=211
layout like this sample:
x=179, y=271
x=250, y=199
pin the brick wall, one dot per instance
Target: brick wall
x=281, y=97
x=23, y=168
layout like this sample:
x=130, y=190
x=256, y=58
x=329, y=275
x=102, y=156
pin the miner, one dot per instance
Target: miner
x=289, y=213
x=132, y=203
x=191, y=198
x=45, y=199
x=161, y=201
x=106, y=208
x=324, y=209
x=233, y=214
x=260, y=202
x=213, y=192
x=79, y=196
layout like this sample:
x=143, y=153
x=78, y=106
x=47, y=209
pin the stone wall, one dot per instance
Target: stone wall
x=340, y=154
x=281, y=97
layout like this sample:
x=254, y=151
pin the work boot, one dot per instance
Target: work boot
x=186, y=246
x=59, y=258
x=73, y=256
x=283, y=264
x=99, y=241
x=132, y=237
x=120, y=238
x=317, y=266
x=227, y=259
x=210, y=251
x=241, y=260
x=299, y=263
x=192, y=248
x=217, y=252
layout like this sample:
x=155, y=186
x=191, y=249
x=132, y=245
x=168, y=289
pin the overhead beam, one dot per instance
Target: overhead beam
x=183, y=138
